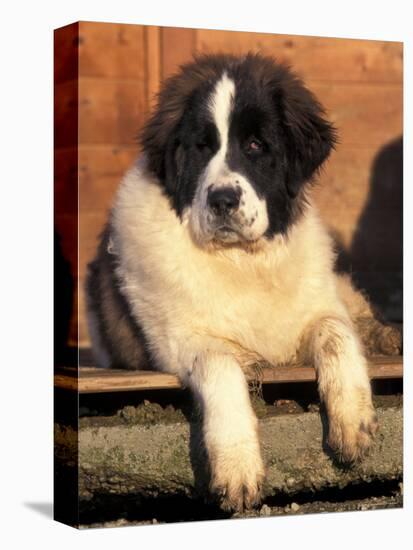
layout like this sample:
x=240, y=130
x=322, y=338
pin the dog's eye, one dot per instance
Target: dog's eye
x=254, y=146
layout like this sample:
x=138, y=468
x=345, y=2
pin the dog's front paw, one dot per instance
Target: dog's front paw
x=352, y=426
x=237, y=475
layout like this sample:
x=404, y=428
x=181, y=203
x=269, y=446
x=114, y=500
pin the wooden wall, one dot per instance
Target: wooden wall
x=120, y=69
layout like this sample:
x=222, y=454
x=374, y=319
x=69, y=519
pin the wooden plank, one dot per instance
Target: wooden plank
x=111, y=50
x=66, y=53
x=177, y=47
x=356, y=178
x=66, y=381
x=365, y=115
x=153, y=64
x=101, y=169
x=110, y=111
x=66, y=114
x=324, y=59
x=94, y=380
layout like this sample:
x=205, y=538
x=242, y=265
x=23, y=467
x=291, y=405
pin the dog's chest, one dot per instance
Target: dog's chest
x=257, y=302
x=249, y=305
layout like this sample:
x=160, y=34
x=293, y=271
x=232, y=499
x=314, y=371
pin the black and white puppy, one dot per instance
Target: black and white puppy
x=214, y=258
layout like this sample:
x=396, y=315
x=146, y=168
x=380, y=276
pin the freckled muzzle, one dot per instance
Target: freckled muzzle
x=226, y=219
x=227, y=213
x=223, y=205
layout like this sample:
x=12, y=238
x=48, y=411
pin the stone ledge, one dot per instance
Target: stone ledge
x=167, y=459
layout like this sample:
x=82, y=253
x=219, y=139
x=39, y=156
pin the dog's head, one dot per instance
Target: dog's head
x=234, y=141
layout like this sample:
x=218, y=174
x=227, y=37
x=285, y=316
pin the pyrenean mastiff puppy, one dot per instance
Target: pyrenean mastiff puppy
x=214, y=258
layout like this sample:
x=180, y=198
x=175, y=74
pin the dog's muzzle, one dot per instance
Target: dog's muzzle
x=223, y=201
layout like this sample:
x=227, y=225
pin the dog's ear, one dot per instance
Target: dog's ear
x=172, y=161
x=159, y=137
x=309, y=136
x=159, y=140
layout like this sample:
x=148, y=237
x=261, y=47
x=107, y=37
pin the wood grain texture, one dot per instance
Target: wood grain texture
x=365, y=115
x=95, y=380
x=317, y=58
x=101, y=169
x=66, y=110
x=66, y=53
x=110, y=111
x=152, y=64
x=345, y=186
x=111, y=51
x=177, y=46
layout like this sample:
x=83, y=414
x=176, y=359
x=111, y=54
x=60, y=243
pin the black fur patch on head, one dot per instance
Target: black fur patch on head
x=184, y=93
x=272, y=108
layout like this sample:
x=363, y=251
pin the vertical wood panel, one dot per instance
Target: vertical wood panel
x=153, y=64
x=111, y=111
x=317, y=58
x=177, y=47
x=366, y=115
x=109, y=50
x=100, y=171
x=113, y=104
x=66, y=58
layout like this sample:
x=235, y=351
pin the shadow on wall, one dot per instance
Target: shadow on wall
x=376, y=253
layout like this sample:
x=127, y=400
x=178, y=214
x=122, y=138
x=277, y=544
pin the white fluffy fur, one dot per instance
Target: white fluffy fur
x=207, y=313
x=251, y=219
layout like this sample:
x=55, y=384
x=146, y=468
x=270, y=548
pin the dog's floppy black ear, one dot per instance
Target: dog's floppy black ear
x=172, y=164
x=159, y=137
x=159, y=142
x=309, y=136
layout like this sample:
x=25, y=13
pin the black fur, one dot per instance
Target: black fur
x=272, y=107
x=121, y=336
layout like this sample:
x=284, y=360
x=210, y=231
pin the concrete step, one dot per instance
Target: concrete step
x=128, y=455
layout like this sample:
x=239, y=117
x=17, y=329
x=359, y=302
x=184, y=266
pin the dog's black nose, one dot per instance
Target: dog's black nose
x=223, y=200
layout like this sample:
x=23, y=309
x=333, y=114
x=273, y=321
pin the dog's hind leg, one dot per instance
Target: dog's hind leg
x=377, y=336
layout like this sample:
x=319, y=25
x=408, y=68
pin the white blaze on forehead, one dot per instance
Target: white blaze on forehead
x=250, y=219
x=220, y=107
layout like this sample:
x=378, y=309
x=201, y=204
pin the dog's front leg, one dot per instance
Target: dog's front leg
x=344, y=386
x=229, y=430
